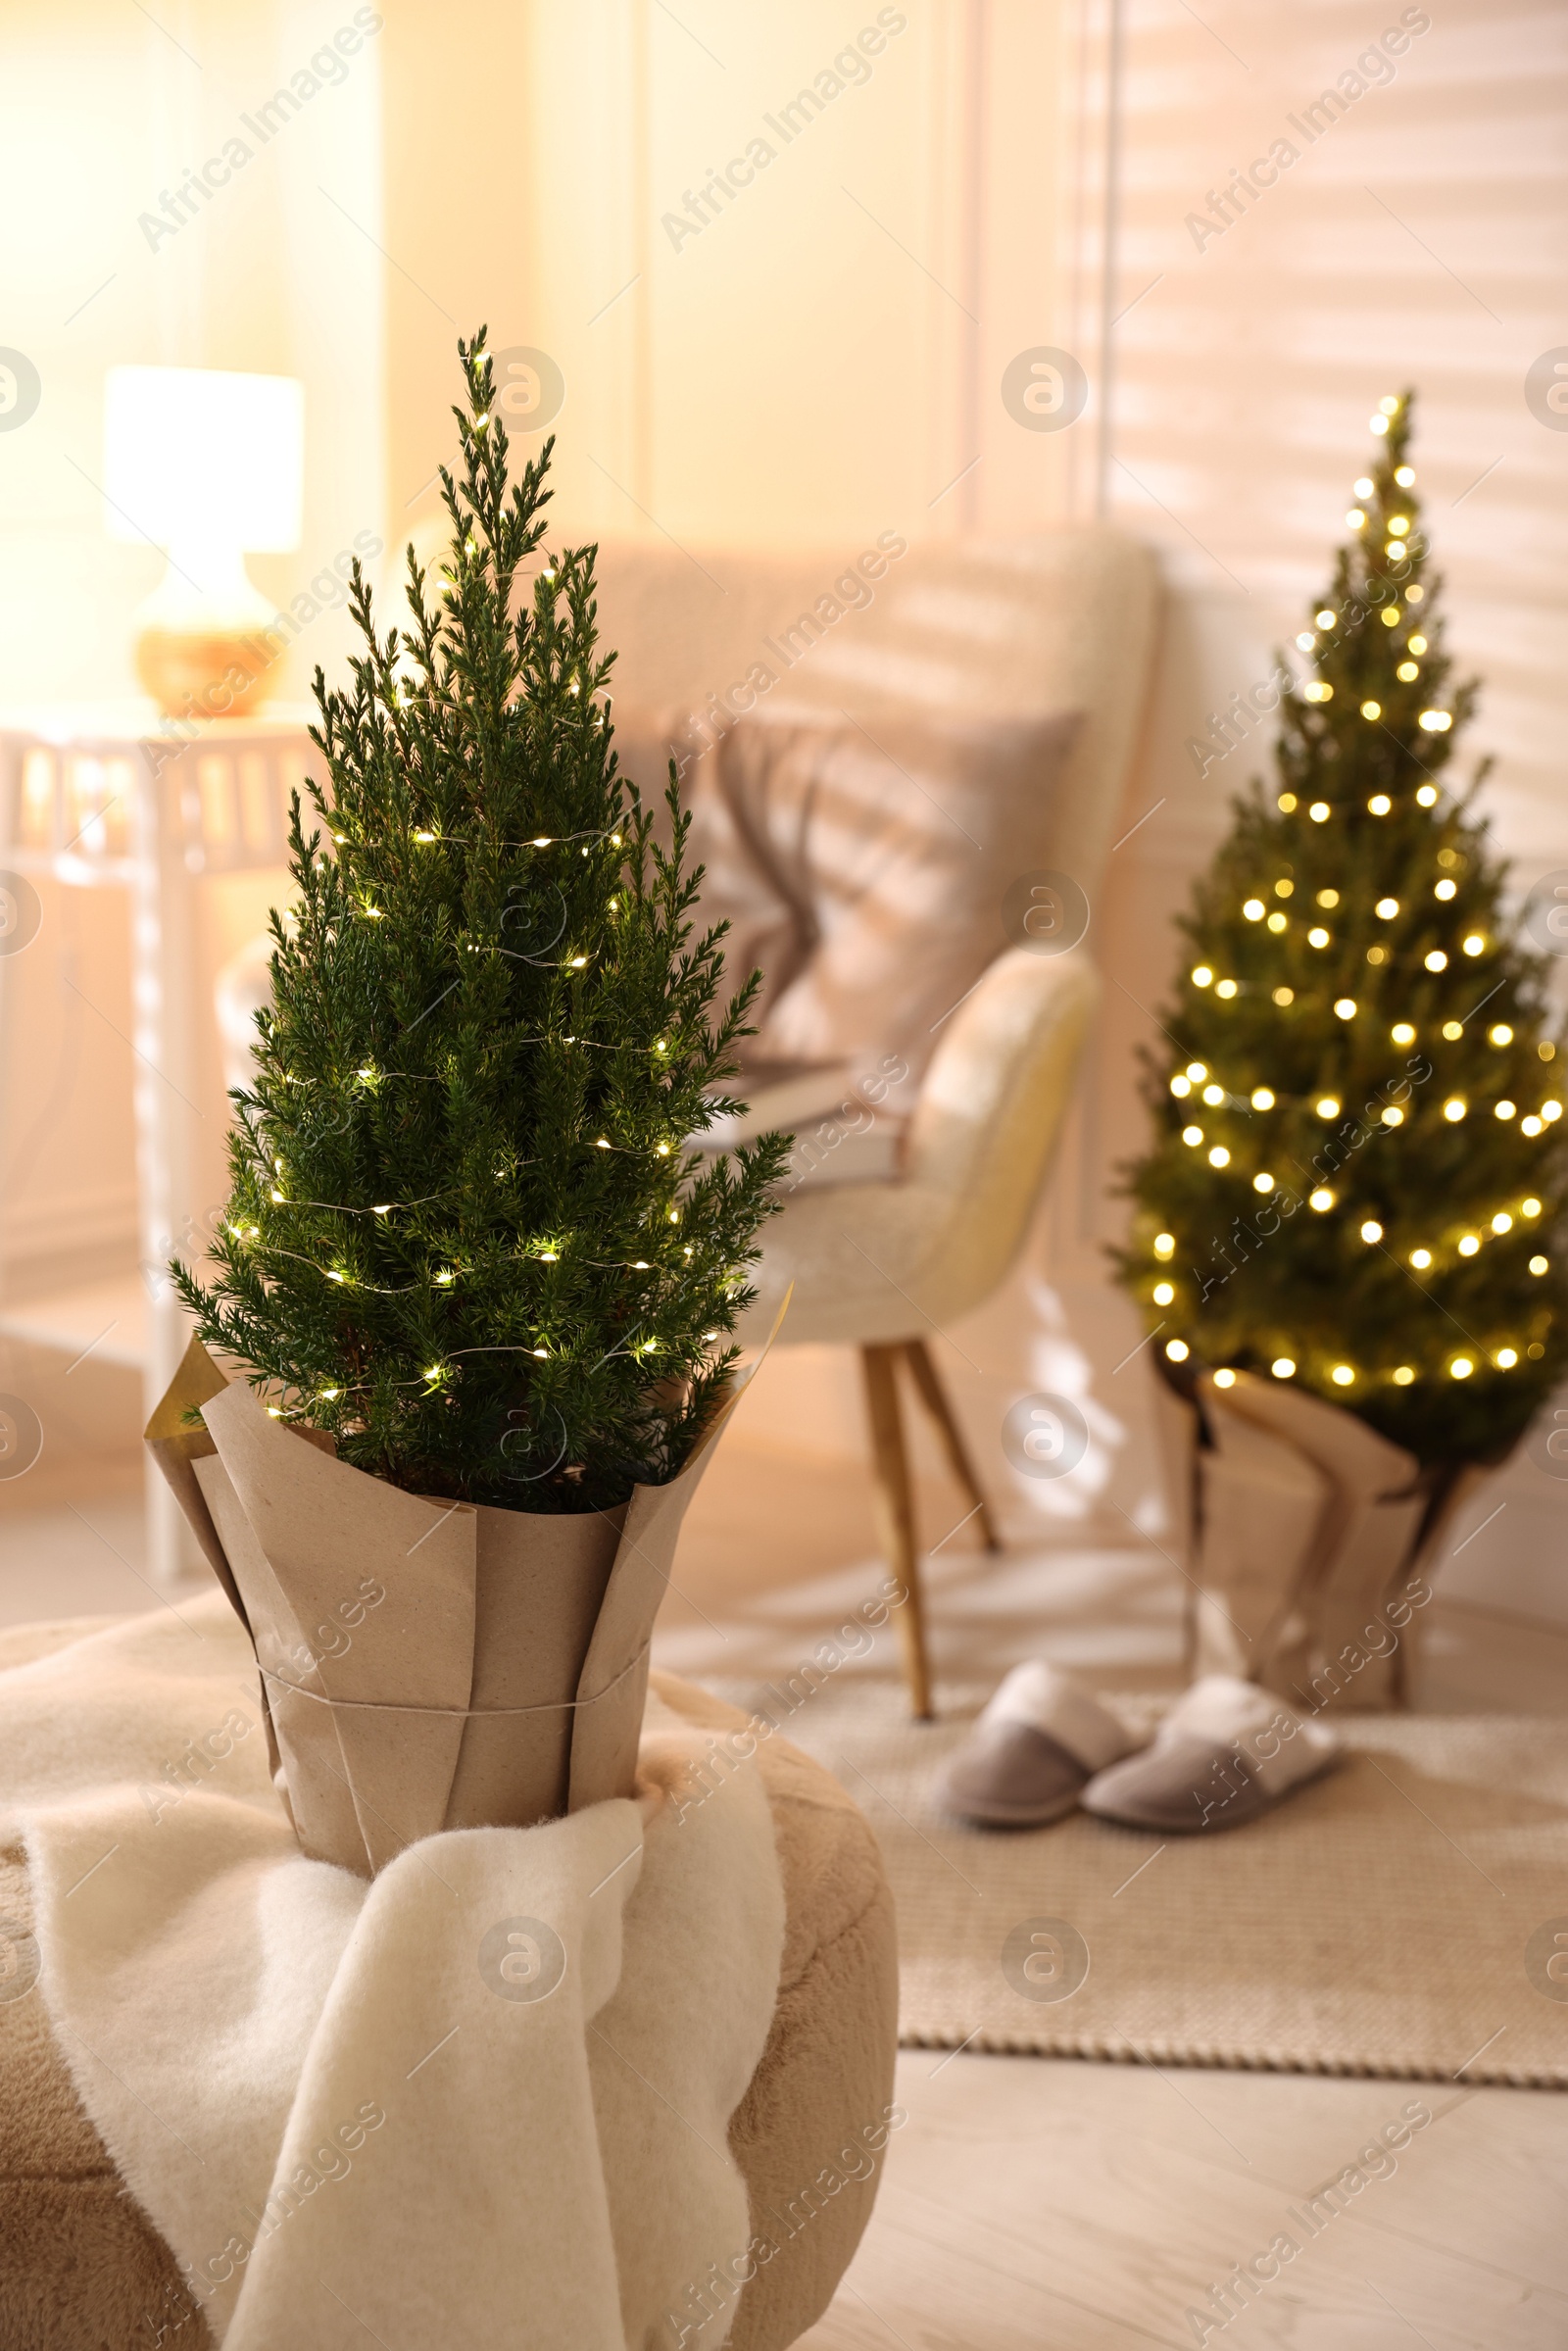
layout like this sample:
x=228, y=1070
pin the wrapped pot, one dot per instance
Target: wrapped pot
x=424, y=1665
x=1307, y=1540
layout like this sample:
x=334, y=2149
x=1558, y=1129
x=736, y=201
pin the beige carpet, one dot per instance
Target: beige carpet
x=1396, y=1918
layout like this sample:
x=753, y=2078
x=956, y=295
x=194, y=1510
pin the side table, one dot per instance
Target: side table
x=113, y=797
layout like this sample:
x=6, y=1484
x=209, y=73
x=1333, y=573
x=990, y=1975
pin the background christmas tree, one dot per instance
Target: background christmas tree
x=466, y=1234
x=1360, y=1163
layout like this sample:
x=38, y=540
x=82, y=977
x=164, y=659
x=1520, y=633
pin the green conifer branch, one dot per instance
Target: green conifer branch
x=1359, y=1168
x=467, y=1233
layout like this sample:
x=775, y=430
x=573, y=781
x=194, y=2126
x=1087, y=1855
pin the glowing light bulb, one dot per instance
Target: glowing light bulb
x=1317, y=689
x=1436, y=722
x=1507, y=1358
x=1420, y=1258
x=1475, y=943
x=1402, y=1033
x=1164, y=1293
x=1502, y=1222
x=1165, y=1245
x=1371, y=709
x=1551, y=1110
x=1320, y=811
x=1342, y=1375
x=1503, y=1110
x=1417, y=643
x=1285, y=995
x=1344, y=1007
x=1263, y=1098
x=1454, y=1107
x=1325, y=618
x=1437, y=961
x=1469, y=1243
x=1530, y=1207
x=1408, y=672
x=1176, y=1349
x=1253, y=909
x=1355, y=519
x=333, y=1275
x=1393, y=1115
x=602, y=1143
x=1538, y=1264
x=1387, y=909
x=1428, y=796
x=1181, y=1087
x=1219, y=1156
x=1225, y=1379
x=1322, y=1200
x=1286, y=803
x=1283, y=1367
x=1531, y=1126
x=1192, y=1137
x=1307, y=640
x=1404, y=1377
x=1263, y=1181
x=541, y=1352
x=1197, y=1071
x=1226, y=988
x=1454, y=1030
x=1213, y=1094
x=1276, y=923
x=1371, y=1231
x=1380, y=804
x=1317, y=936
x=1327, y=1106
x=1201, y=976
x=1364, y=487
x=1391, y=617
x=1461, y=1368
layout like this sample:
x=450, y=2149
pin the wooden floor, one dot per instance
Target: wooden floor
x=1035, y=2205
x=1029, y=2204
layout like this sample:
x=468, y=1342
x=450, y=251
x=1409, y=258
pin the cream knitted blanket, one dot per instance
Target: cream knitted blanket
x=483, y=2100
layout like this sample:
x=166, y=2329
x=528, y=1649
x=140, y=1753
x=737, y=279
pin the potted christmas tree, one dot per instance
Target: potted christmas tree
x=1345, y=1238
x=477, y=1290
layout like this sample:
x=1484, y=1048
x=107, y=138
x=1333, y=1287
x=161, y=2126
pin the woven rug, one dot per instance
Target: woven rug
x=1399, y=1917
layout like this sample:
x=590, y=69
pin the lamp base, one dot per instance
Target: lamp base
x=205, y=673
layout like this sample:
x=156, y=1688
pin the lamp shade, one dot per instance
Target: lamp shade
x=199, y=456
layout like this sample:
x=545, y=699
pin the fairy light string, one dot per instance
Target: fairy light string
x=1359, y=1169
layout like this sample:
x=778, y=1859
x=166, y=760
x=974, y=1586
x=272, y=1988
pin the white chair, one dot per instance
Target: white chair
x=1020, y=628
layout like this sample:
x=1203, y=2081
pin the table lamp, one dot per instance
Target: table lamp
x=206, y=465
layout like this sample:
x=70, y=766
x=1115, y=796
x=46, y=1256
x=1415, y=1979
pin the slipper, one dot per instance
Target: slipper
x=1037, y=1744
x=1226, y=1752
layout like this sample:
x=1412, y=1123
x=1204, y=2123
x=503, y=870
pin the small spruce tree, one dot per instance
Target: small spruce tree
x=467, y=1235
x=1359, y=1164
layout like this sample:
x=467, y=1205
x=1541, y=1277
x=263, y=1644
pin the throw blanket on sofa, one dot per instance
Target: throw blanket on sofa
x=483, y=2100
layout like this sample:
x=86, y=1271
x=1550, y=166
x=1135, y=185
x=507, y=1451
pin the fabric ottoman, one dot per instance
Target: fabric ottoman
x=81, y=2268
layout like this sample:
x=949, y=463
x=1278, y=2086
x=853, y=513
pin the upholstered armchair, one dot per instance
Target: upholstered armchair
x=899, y=1221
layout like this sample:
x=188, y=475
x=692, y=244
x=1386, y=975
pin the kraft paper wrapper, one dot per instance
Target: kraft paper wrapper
x=502, y=1679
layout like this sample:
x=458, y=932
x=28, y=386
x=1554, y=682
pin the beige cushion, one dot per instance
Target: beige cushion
x=82, y=2268
x=892, y=837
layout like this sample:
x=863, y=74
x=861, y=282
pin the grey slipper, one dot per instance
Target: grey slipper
x=1225, y=1753
x=1035, y=1747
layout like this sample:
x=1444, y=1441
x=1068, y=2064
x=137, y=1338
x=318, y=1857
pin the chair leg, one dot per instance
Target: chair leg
x=934, y=1397
x=895, y=1508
